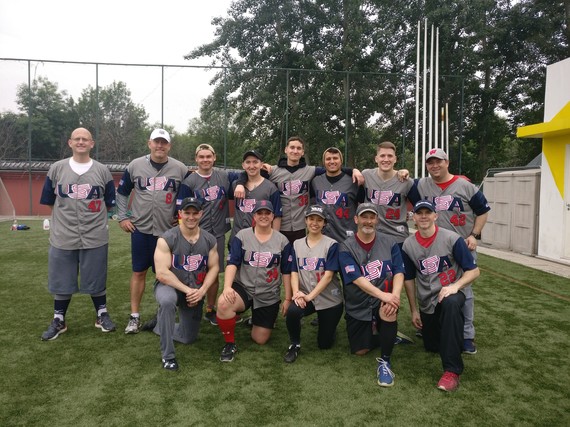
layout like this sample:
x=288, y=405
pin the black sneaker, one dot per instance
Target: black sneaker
x=292, y=353
x=105, y=323
x=248, y=322
x=170, y=364
x=149, y=325
x=56, y=327
x=210, y=316
x=315, y=322
x=228, y=352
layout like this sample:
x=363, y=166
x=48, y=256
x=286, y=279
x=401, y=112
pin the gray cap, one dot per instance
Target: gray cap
x=438, y=153
x=263, y=204
x=316, y=210
x=366, y=207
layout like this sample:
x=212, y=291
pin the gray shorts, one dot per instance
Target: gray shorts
x=64, y=266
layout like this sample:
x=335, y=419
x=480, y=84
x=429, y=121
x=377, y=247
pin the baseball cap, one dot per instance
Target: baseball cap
x=315, y=210
x=366, y=207
x=263, y=204
x=438, y=153
x=252, y=153
x=424, y=204
x=205, y=147
x=191, y=202
x=160, y=133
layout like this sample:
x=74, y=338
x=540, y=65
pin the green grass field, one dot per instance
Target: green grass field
x=520, y=376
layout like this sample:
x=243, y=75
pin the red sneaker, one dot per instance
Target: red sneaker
x=449, y=381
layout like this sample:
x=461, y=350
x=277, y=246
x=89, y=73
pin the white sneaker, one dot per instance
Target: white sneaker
x=133, y=325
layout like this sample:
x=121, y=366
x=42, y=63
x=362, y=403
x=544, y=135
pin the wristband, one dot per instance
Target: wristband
x=476, y=235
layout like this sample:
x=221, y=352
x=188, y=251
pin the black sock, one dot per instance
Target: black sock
x=60, y=307
x=100, y=303
x=388, y=332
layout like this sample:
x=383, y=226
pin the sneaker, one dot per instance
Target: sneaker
x=239, y=319
x=210, y=316
x=449, y=381
x=469, y=347
x=419, y=333
x=228, y=352
x=402, y=339
x=56, y=327
x=292, y=353
x=247, y=322
x=133, y=325
x=315, y=322
x=384, y=373
x=149, y=325
x=105, y=323
x=170, y=364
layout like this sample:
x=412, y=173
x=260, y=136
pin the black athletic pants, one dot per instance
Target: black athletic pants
x=442, y=332
x=328, y=321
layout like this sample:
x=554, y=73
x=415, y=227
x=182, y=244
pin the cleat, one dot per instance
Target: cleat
x=292, y=353
x=449, y=381
x=133, y=327
x=239, y=319
x=228, y=352
x=469, y=347
x=247, y=322
x=105, y=323
x=170, y=364
x=55, y=328
x=149, y=325
x=402, y=339
x=315, y=322
x=384, y=373
x=419, y=333
x=210, y=316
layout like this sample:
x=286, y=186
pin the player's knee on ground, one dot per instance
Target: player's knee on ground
x=362, y=351
x=260, y=335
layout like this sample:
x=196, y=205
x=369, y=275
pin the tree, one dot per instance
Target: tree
x=52, y=115
x=324, y=56
x=117, y=123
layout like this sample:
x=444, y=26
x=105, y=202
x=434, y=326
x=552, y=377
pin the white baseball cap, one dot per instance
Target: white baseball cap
x=160, y=133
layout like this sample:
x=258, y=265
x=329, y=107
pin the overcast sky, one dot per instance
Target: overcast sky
x=111, y=31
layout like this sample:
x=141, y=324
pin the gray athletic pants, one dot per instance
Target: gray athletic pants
x=186, y=331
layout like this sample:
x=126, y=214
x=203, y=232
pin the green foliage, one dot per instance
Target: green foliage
x=89, y=378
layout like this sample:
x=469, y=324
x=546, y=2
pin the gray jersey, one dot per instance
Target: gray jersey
x=294, y=191
x=213, y=192
x=339, y=200
x=440, y=264
x=153, y=204
x=311, y=264
x=260, y=265
x=379, y=265
x=243, y=213
x=391, y=197
x=80, y=202
x=189, y=260
x=456, y=206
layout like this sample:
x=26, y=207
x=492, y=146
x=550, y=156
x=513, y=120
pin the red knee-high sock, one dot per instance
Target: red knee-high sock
x=228, y=327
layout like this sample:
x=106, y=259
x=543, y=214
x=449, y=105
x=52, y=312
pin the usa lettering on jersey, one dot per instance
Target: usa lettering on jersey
x=448, y=203
x=189, y=262
x=79, y=191
x=212, y=193
x=291, y=188
x=246, y=205
x=261, y=259
x=375, y=269
x=311, y=264
x=156, y=183
x=434, y=264
x=330, y=197
x=384, y=197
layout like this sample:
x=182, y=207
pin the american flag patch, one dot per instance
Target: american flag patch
x=349, y=269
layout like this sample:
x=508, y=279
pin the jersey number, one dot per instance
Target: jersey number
x=304, y=200
x=393, y=214
x=94, y=206
x=447, y=277
x=342, y=213
x=168, y=198
x=272, y=275
x=458, y=219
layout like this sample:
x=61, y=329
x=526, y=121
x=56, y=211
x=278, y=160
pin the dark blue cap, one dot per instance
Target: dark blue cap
x=424, y=204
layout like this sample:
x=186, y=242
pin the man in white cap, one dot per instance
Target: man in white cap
x=460, y=207
x=154, y=180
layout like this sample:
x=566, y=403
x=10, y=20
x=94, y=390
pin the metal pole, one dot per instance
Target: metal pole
x=225, y=118
x=461, y=124
x=162, y=97
x=417, y=124
x=287, y=106
x=404, y=124
x=30, y=135
x=424, y=95
x=97, y=118
x=346, y=95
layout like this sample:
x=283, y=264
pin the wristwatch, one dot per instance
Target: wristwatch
x=476, y=235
